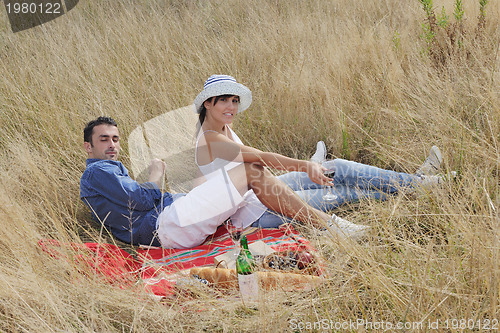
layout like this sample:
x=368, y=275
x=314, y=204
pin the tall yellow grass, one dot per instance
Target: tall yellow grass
x=352, y=73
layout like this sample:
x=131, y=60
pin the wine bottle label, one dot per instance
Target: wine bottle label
x=249, y=287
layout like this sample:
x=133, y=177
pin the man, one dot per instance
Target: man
x=141, y=214
x=127, y=208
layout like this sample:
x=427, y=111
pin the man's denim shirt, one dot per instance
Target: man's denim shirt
x=127, y=208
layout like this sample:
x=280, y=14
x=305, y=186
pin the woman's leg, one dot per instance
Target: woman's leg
x=275, y=195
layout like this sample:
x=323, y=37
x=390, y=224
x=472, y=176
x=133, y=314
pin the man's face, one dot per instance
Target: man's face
x=105, y=143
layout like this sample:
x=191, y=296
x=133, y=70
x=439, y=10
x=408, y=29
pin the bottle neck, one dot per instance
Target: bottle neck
x=244, y=243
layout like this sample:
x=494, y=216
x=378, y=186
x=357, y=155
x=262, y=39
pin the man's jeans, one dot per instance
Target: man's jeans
x=352, y=181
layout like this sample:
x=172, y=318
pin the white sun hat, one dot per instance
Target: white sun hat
x=217, y=85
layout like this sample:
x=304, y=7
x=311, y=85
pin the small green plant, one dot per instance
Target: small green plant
x=427, y=35
x=444, y=40
x=482, y=14
x=459, y=11
x=428, y=7
x=442, y=20
x=428, y=27
x=346, y=152
x=396, y=39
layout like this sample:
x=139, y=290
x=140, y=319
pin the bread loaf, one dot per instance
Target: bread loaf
x=219, y=277
x=228, y=279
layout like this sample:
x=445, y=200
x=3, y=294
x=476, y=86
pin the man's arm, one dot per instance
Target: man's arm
x=120, y=189
x=157, y=172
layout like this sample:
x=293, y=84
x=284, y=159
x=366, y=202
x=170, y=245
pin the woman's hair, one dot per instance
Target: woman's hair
x=203, y=111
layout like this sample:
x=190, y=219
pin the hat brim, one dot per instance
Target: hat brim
x=225, y=88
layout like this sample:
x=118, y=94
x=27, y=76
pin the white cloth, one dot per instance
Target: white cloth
x=253, y=209
x=191, y=218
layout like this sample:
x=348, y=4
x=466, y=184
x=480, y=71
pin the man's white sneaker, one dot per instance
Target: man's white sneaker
x=345, y=229
x=432, y=163
x=320, y=155
x=433, y=180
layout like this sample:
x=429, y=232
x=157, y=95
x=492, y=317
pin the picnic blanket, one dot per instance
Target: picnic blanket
x=158, y=269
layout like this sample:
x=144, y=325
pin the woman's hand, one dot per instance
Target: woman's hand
x=316, y=173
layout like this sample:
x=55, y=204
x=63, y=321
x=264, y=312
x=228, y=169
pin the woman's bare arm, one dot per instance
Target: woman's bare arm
x=222, y=147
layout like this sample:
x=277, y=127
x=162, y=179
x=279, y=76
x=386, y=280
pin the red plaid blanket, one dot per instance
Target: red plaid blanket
x=158, y=268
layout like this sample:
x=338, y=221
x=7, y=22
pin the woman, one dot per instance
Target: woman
x=218, y=149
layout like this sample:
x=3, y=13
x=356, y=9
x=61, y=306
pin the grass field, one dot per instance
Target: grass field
x=360, y=75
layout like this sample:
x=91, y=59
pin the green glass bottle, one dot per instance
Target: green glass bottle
x=245, y=263
x=247, y=278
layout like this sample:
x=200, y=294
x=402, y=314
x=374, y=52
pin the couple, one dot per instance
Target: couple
x=234, y=182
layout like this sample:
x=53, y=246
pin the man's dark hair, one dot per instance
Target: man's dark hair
x=89, y=129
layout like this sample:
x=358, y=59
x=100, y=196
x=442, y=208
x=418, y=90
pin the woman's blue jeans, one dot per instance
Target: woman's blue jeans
x=352, y=181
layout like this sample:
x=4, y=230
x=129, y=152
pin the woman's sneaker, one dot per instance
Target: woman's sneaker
x=432, y=163
x=320, y=154
x=345, y=229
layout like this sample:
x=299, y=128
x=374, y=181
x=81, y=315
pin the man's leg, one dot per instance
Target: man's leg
x=271, y=219
x=352, y=181
x=278, y=197
x=298, y=181
x=370, y=178
x=313, y=193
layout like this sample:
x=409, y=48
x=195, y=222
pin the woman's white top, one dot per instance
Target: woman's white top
x=252, y=209
x=192, y=217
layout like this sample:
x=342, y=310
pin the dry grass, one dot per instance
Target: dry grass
x=351, y=73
